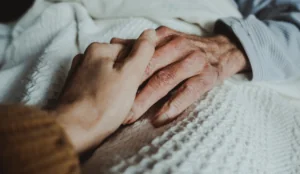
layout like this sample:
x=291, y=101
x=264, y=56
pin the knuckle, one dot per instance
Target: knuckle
x=224, y=59
x=146, y=31
x=93, y=47
x=222, y=38
x=102, y=51
x=190, y=89
x=214, y=46
x=179, y=40
x=187, y=63
x=163, y=30
x=200, y=57
x=106, y=60
x=206, y=83
x=179, y=43
x=163, y=78
x=78, y=56
x=114, y=40
x=195, y=58
x=96, y=49
x=166, y=76
x=197, y=53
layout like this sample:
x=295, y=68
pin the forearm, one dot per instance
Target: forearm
x=33, y=142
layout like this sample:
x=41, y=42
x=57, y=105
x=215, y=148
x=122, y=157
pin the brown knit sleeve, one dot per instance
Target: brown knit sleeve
x=31, y=142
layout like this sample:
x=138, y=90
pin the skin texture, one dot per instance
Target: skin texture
x=101, y=88
x=194, y=63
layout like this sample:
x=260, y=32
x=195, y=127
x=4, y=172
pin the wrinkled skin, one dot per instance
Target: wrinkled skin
x=195, y=63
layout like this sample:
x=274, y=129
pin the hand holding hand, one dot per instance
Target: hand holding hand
x=101, y=88
x=196, y=63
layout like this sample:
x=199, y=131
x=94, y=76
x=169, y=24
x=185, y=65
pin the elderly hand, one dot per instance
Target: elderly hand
x=196, y=63
x=101, y=89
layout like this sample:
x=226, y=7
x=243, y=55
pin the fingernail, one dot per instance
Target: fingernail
x=128, y=118
x=127, y=121
x=160, y=120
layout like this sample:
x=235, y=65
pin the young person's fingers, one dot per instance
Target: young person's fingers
x=141, y=53
x=98, y=51
x=116, y=40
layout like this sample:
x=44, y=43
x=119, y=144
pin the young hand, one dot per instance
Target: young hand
x=101, y=89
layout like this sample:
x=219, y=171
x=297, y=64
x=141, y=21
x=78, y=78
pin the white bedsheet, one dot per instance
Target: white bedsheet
x=240, y=126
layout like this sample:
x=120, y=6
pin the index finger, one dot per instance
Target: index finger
x=141, y=52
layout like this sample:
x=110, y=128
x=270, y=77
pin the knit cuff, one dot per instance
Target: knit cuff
x=32, y=142
x=239, y=29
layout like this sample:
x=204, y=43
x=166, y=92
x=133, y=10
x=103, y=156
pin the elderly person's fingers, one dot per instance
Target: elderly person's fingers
x=176, y=49
x=164, y=81
x=162, y=34
x=186, y=95
x=171, y=46
x=224, y=58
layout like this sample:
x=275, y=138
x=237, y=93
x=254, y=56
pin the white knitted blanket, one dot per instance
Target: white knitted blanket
x=238, y=127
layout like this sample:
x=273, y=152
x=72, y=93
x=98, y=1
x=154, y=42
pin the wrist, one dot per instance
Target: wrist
x=223, y=30
x=59, y=114
x=72, y=118
x=233, y=45
x=224, y=54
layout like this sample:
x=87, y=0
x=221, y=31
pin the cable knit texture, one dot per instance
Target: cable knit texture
x=32, y=143
x=238, y=127
x=234, y=129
